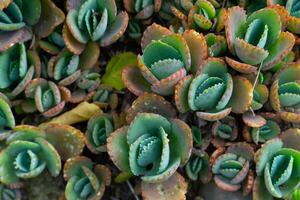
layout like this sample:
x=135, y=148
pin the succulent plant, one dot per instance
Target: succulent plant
x=182, y=52
x=277, y=167
x=224, y=130
x=45, y=97
x=268, y=131
x=87, y=83
x=99, y=128
x=152, y=146
x=26, y=155
x=231, y=169
x=7, y=193
x=18, y=67
x=85, y=179
x=213, y=93
x=256, y=39
x=285, y=93
x=94, y=20
x=198, y=168
x=64, y=68
x=201, y=140
x=143, y=9
x=201, y=15
x=105, y=96
x=292, y=12
x=18, y=15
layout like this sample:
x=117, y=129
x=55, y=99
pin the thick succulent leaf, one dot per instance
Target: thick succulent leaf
x=51, y=17
x=259, y=190
x=198, y=48
x=279, y=49
x=77, y=33
x=248, y=53
x=116, y=30
x=150, y=103
x=73, y=166
x=265, y=153
x=90, y=55
x=234, y=26
x=173, y=188
x=71, y=42
x=213, y=116
x=270, y=18
x=10, y=38
x=134, y=81
x=6, y=116
x=50, y=156
x=181, y=140
x=118, y=148
x=166, y=86
x=114, y=69
x=73, y=140
x=146, y=123
x=291, y=138
x=181, y=94
x=293, y=25
x=153, y=32
x=242, y=95
x=240, y=67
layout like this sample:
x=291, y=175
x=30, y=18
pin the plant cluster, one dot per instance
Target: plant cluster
x=160, y=98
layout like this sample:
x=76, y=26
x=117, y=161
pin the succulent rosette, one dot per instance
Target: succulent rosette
x=45, y=97
x=94, y=20
x=99, y=128
x=213, y=93
x=85, y=179
x=7, y=193
x=202, y=15
x=266, y=128
x=105, y=96
x=224, y=130
x=269, y=130
x=26, y=155
x=285, y=93
x=18, y=67
x=86, y=85
x=143, y=9
x=256, y=39
x=64, y=68
x=17, y=16
x=198, y=168
x=163, y=48
x=291, y=11
x=277, y=167
x=152, y=147
x=231, y=169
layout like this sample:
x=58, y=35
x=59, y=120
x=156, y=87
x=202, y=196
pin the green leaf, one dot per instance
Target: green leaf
x=113, y=73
